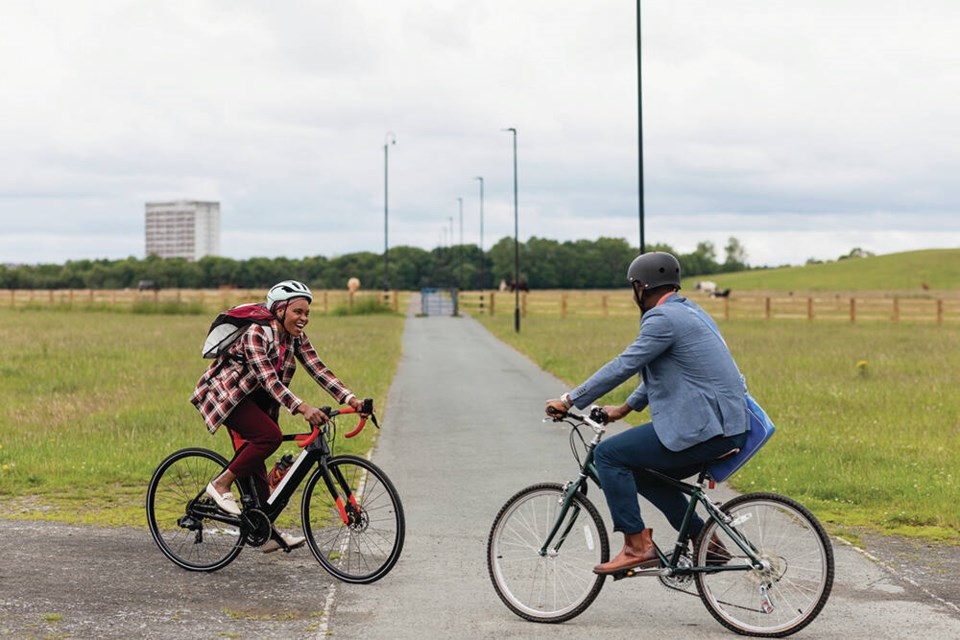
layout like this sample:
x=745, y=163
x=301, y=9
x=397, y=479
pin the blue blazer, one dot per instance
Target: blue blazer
x=690, y=380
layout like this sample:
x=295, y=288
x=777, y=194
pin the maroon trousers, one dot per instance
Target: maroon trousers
x=256, y=436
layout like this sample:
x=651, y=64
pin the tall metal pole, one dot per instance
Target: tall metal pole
x=516, y=239
x=640, y=123
x=388, y=139
x=480, y=178
x=460, y=283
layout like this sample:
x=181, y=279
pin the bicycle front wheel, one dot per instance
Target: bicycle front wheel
x=189, y=540
x=559, y=584
x=797, y=575
x=357, y=540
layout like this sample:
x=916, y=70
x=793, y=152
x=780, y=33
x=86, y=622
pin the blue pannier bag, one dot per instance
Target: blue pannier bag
x=761, y=428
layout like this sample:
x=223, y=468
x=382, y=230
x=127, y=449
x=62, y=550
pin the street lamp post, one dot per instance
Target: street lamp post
x=480, y=178
x=450, y=245
x=640, y=126
x=516, y=239
x=388, y=139
x=460, y=253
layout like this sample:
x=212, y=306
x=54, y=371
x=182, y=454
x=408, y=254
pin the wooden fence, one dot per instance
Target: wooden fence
x=212, y=299
x=851, y=307
x=854, y=306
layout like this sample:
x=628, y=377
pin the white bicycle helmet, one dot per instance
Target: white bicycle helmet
x=287, y=290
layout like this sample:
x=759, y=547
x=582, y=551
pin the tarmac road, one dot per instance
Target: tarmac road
x=463, y=434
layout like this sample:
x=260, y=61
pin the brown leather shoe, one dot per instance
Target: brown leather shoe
x=717, y=554
x=638, y=552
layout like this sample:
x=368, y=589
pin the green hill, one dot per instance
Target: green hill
x=939, y=269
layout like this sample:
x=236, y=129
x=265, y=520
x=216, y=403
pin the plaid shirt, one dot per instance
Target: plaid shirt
x=249, y=363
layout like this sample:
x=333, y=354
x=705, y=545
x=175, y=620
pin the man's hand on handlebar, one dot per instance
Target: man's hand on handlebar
x=312, y=415
x=556, y=408
x=615, y=413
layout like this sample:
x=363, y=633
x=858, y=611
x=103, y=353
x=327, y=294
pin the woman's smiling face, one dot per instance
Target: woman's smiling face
x=296, y=316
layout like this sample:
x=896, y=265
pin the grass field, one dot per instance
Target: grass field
x=868, y=416
x=939, y=269
x=91, y=402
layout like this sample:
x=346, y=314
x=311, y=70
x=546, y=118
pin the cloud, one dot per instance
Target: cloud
x=756, y=116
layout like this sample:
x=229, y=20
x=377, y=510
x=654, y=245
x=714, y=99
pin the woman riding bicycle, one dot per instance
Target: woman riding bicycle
x=245, y=386
x=697, y=404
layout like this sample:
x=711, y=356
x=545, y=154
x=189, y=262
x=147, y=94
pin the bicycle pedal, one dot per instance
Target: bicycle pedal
x=636, y=573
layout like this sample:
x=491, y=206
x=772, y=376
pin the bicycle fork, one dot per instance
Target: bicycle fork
x=587, y=470
x=349, y=509
x=571, y=490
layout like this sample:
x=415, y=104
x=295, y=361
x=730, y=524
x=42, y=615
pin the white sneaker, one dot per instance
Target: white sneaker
x=294, y=542
x=225, y=501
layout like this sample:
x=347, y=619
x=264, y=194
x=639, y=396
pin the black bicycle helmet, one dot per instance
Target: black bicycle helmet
x=656, y=269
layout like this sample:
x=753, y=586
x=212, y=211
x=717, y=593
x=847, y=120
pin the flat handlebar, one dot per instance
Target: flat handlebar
x=597, y=414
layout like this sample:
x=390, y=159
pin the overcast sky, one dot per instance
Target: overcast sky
x=802, y=128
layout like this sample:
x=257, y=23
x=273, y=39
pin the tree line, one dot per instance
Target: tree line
x=544, y=264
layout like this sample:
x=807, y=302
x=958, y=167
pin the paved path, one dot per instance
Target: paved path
x=462, y=434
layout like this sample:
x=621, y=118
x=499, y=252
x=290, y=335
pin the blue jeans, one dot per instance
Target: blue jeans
x=621, y=461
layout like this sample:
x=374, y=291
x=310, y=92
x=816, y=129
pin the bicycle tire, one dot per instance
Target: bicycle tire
x=791, y=590
x=366, y=549
x=560, y=585
x=180, y=478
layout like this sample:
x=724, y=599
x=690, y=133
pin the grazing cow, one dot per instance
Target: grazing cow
x=924, y=286
x=706, y=286
x=721, y=293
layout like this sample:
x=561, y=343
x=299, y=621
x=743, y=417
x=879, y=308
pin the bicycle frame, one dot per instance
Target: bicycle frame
x=316, y=450
x=695, y=491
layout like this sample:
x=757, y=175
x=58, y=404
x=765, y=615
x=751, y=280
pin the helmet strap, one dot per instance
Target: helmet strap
x=638, y=294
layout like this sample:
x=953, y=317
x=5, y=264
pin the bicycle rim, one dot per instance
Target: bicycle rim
x=200, y=544
x=791, y=589
x=557, y=586
x=367, y=547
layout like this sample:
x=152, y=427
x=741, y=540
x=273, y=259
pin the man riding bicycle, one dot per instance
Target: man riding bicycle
x=697, y=405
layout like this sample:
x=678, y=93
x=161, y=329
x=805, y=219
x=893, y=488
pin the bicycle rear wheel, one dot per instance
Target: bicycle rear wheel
x=557, y=586
x=189, y=540
x=789, y=592
x=367, y=546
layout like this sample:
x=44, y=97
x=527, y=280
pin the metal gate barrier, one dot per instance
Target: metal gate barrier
x=438, y=302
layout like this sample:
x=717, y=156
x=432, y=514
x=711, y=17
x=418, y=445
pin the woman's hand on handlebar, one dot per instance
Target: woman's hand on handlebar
x=312, y=415
x=356, y=404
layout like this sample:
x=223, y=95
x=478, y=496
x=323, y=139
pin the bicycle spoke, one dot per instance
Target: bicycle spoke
x=366, y=547
x=177, y=481
x=560, y=584
x=796, y=575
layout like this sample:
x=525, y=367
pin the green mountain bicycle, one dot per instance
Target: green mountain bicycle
x=775, y=579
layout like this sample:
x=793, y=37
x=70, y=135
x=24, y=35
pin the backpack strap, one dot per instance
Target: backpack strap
x=700, y=314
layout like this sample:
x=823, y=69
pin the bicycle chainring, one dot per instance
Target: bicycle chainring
x=255, y=528
x=684, y=582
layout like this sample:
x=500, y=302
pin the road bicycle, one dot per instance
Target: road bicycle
x=772, y=581
x=351, y=512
